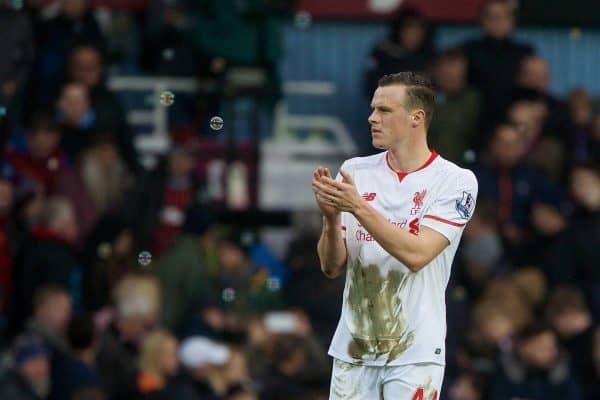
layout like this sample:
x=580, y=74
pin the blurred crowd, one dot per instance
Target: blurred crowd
x=118, y=282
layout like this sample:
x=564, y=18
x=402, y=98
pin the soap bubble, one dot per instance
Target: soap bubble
x=228, y=295
x=216, y=123
x=145, y=258
x=167, y=98
x=273, y=284
x=470, y=156
x=168, y=54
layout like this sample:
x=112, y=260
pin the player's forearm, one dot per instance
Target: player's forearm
x=331, y=248
x=402, y=245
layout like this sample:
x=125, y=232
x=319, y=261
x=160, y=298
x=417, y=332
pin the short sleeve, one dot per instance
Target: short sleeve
x=454, y=206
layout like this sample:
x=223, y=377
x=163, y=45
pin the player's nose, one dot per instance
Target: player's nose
x=372, y=118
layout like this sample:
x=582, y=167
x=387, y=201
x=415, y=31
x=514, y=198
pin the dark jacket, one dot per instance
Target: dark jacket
x=70, y=374
x=111, y=118
x=518, y=381
x=16, y=47
x=455, y=125
x=14, y=387
x=46, y=258
x=388, y=58
x=117, y=365
x=526, y=185
x=184, y=387
x=57, y=37
x=493, y=67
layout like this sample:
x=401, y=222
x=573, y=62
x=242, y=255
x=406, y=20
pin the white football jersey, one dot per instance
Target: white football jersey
x=390, y=315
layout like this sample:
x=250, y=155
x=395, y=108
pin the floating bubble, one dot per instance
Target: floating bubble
x=167, y=98
x=168, y=53
x=2, y=111
x=228, y=295
x=104, y=250
x=216, y=123
x=145, y=258
x=470, y=156
x=302, y=19
x=273, y=284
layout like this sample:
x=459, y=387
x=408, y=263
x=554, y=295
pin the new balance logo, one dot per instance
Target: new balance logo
x=369, y=196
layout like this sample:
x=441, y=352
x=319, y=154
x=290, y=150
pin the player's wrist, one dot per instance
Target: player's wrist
x=362, y=209
x=332, y=220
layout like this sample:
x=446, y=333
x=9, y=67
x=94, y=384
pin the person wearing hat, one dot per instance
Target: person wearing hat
x=211, y=369
x=29, y=379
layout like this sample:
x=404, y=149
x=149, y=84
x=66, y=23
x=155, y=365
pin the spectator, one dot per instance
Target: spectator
x=86, y=67
x=570, y=317
x=137, y=309
x=49, y=256
x=494, y=60
x=42, y=164
x=537, y=369
x=511, y=186
x=104, y=174
x=184, y=269
x=17, y=49
x=29, y=379
x=593, y=154
x=75, y=24
x=583, y=142
x=264, y=336
x=466, y=387
x=6, y=201
x=239, y=276
x=158, y=363
x=290, y=375
x=533, y=285
x=241, y=392
x=482, y=250
x=534, y=74
x=161, y=199
x=76, y=369
x=549, y=222
x=306, y=289
x=110, y=254
x=52, y=309
x=577, y=255
x=545, y=152
x=211, y=369
x=455, y=125
x=408, y=48
x=77, y=119
x=167, y=46
x=89, y=393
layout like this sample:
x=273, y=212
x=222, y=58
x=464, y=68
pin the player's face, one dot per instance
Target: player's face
x=390, y=120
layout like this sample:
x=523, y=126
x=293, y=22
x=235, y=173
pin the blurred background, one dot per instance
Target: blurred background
x=157, y=226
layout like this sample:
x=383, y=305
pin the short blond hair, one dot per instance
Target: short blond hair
x=152, y=350
x=137, y=295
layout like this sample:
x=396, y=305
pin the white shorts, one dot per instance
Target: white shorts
x=406, y=382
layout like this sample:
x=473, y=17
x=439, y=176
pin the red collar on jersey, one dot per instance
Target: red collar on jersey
x=402, y=175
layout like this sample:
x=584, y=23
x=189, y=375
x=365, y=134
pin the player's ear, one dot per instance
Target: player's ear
x=418, y=118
